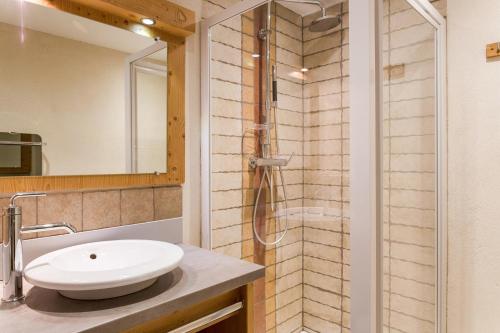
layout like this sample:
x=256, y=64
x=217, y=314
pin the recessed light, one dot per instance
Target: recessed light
x=148, y=21
x=255, y=55
x=304, y=69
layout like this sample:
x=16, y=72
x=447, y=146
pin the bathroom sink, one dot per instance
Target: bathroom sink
x=103, y=269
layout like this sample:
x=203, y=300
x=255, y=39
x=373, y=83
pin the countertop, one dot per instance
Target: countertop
x=201, y=275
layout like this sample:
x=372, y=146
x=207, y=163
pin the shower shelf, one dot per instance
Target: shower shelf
x=308, y=213
x=260, y=127
x=273, y=161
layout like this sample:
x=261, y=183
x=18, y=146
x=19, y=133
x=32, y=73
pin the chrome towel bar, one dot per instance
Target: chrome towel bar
x=22, y=143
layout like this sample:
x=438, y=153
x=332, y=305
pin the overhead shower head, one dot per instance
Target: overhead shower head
x=324, y=23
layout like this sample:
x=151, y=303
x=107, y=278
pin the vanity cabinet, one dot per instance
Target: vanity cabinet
x=230, y=312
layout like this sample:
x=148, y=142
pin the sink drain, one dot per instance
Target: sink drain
x=93, y=256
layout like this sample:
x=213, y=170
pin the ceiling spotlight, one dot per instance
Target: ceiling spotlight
x=304, y=69
x=255, y=55
x=148, y=21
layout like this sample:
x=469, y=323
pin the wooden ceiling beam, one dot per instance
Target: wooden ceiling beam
x=173, y=22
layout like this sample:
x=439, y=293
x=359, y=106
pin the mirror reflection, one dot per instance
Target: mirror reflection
x=77, y=96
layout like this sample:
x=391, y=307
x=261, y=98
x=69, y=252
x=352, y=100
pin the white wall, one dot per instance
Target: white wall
x=191, y=204
x=69, y=92
x=474, y=168
x=151, y=99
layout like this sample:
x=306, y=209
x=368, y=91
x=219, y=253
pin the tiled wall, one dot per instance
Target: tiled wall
x=92, y=210
x=409, y=170
x=326, y=176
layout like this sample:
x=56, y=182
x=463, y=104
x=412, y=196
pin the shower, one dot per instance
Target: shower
x=308, y=169
x=266, y=159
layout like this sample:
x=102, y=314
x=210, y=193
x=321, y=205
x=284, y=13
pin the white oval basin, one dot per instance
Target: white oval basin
x=103, y=269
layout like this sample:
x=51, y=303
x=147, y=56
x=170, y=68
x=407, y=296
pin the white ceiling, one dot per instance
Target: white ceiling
x=58, y=23
x=304, y=9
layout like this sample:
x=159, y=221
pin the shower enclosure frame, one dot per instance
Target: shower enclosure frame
x=366, y=18
x=206, y=142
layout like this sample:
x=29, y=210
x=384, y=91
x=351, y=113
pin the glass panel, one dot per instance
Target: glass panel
x=325, y=173
x=307, y=277
x=409, y=170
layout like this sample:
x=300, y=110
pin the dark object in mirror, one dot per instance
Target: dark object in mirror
x=20, y=154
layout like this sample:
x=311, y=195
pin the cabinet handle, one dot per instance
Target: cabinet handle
x=208, y=319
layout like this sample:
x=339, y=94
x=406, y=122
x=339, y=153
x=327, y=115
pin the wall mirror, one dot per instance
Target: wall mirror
x=64, y=78
x=85, y=91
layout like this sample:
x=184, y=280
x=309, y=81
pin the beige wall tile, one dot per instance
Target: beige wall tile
x=224, y=71
x=225, y=53
x=321, y=44
x=167, y=202
x=288, y=281
x=412, y=307
x=323, y=311
x=323, y=103
x=221, y=162
x=289, y=43
x=60, y=208
x=226, y=90
x=226, y=35
x=413, y=216
x=288, y=266
x=232, y=250
x=329, y=86
x=410, y=270
x=101, y=210
x=289, y=315
x=288, y=56
x=322, y=73
x=227, y=126
x=320, y=325
x=413, y=253
x=226, y=236
x=323, y=266
x=137, y=206
x=322, y=252
x=226, y=108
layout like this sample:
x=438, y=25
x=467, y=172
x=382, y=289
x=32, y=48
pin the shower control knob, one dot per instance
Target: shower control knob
x=252, y=162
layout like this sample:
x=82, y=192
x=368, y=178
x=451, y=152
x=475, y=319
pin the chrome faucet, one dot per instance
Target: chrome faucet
x=12, y=246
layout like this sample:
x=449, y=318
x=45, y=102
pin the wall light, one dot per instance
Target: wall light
x=148, y=21
x=255, y=55
x=304, y=69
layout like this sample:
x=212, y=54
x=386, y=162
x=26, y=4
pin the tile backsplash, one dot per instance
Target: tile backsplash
x=90, y=210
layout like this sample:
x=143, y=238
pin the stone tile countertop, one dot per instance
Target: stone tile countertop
x=201, y=275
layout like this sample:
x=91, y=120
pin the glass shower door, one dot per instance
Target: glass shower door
x=411, y=168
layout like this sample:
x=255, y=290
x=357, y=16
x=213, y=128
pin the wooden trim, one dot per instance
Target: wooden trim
x=176, y=83
x=170, y=17
x=173, y=22
x=236, y=322
x=248, y=301
x=88, y=182
x=121, y=13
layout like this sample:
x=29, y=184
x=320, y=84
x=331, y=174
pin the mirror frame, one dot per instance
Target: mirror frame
x=173, y=24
